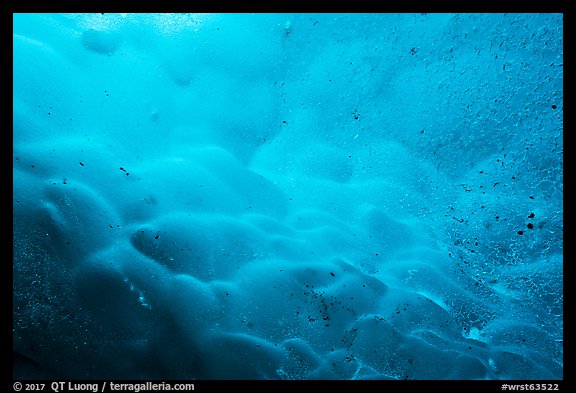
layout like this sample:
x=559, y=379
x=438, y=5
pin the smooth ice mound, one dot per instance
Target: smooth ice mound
x=279, y=196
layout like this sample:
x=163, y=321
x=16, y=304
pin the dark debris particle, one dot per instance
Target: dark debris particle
x=81, y=164
x=156, y=237
x=122, y=169
x=531, y=197
x=531, y=215
x=554, y=106
x=530, y=226
x=520, y=232
x=332, y=274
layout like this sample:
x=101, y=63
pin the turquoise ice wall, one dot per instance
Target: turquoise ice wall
x=288, y=196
